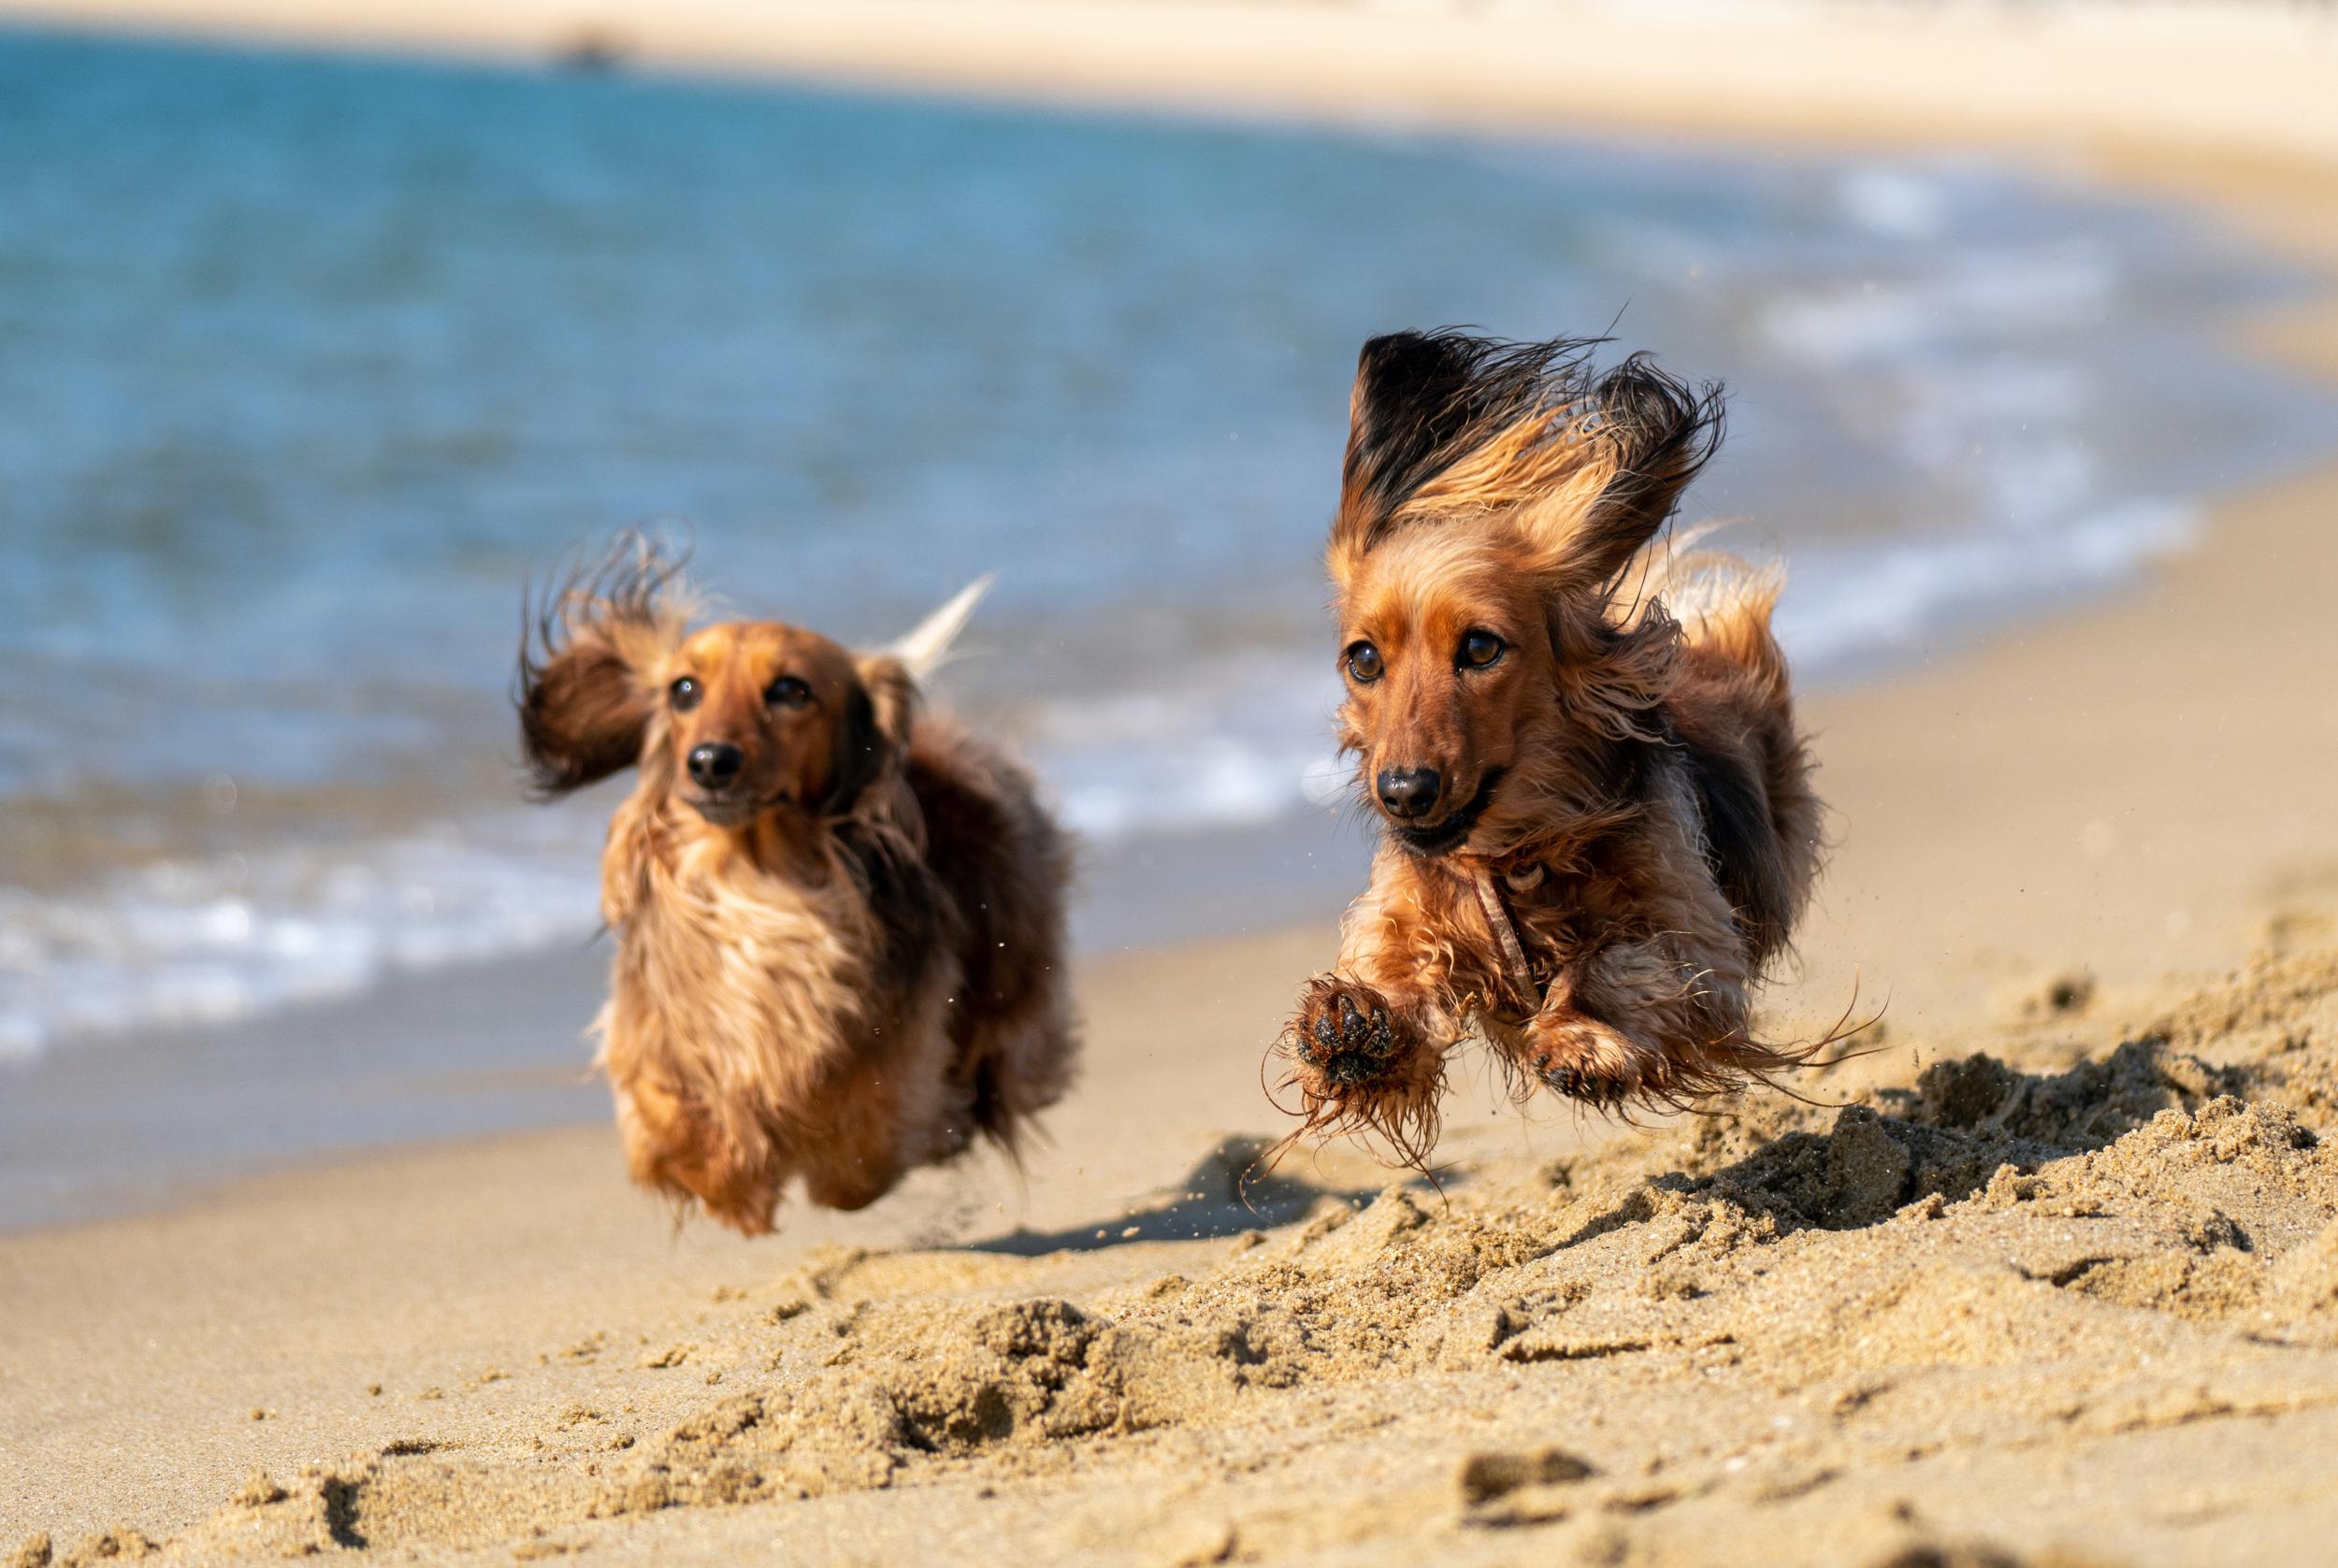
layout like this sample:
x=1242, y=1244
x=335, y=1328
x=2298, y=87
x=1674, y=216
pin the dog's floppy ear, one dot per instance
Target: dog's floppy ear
x=1649, y=433
x=1424, y=401
x=878, y=715
x=1447, y=426
x=880, y=711
x=1408, y=408
x=586, y=657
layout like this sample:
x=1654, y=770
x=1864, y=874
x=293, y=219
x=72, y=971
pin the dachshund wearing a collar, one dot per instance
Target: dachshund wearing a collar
x=1598, y=825
x=839, y=919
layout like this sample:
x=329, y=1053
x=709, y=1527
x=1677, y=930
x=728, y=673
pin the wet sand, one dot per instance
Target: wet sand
x=2074, y=1303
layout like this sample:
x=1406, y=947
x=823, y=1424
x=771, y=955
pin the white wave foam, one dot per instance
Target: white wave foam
x=1854, y=606
x=183, y=942
x=1894, y=201
x=1230, y=745
x=1998, y=293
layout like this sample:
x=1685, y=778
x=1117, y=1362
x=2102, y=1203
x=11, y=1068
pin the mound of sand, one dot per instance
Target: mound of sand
x=2092, y=1308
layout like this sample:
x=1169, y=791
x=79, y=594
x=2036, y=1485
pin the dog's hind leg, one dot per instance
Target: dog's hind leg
x=858, y=1151
x=849, y=1188
x=890, y=1112
x=1016, y=1065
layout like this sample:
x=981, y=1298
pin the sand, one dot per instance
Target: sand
x=2083, y=1310
x=2050, y=1278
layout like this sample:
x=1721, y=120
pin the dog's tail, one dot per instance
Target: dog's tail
x=1722, y=602
x=926, y=649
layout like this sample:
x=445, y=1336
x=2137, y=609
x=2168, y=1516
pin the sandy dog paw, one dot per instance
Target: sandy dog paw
x=1344, y=1035
x=1360, y=1064
x=1585, y=1059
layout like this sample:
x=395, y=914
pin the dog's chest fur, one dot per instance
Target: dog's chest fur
x=728, y=972
x=1560, y=913
x=1569, y=895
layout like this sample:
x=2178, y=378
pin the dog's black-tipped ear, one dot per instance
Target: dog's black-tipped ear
x=1655, y=433
x=1410, y=406
x=1427, y=403
x=878, y=717
x=586, y=655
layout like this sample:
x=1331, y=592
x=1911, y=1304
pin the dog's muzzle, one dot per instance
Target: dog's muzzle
x=1451, y=831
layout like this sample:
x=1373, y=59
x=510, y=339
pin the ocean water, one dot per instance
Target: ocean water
x=307, y=364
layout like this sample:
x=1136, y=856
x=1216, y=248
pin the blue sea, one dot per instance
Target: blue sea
x=307, y=364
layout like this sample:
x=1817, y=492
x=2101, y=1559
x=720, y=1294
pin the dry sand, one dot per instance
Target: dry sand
x=2071, y=1300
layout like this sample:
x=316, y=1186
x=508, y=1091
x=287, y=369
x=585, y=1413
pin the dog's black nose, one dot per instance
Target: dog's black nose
x=715, y=764
x=1408, y=792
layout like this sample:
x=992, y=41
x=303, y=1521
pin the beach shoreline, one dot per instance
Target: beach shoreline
x=2128, y=798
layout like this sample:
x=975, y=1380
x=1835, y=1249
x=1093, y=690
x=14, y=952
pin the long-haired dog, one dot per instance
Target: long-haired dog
x=839, y=919
x=1598, y=822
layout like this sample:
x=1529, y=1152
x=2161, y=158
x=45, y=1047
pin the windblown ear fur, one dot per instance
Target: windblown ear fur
x=877, y=721
x=1422, y=401
x=1656, y=433
x=586, y=655
x=1445, y=427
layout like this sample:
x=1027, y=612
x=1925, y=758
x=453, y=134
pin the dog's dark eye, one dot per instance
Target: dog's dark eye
x=685, y=694
x=1482, y=648
x=787, y=692
x=1363, y=662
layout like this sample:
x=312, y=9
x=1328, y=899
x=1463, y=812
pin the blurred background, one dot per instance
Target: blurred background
x=313, y=356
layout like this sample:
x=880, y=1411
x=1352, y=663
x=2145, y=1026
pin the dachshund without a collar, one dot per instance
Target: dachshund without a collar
x=1596, y=818
x=839, y=919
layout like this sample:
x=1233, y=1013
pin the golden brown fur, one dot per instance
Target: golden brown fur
x=841, y=959
x=1597, y=821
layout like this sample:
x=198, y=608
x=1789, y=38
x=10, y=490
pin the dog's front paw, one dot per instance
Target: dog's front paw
x=1584, y=1059
x=1345, y=1034
x=1361, y=1064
